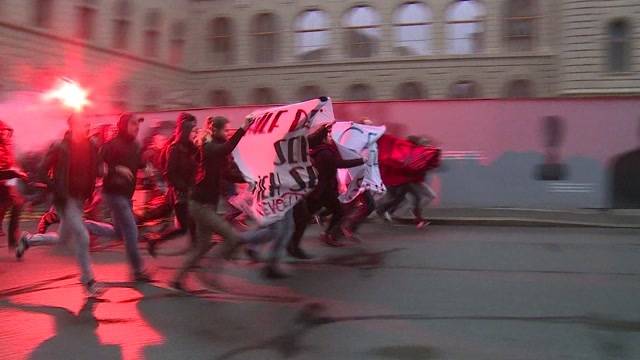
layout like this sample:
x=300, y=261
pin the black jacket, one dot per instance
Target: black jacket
x=56, y=168
x=215, y=162
x=121, y=151
x=327, y=160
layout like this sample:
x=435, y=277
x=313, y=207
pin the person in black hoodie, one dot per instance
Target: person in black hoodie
x=206, y=194
x=122, y=157
x=327, y=160
x=181, y=166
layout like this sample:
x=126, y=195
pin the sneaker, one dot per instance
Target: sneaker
x=331, y=240
x=142, y=276
x=93, y=289
x=23, y=245
x=298, y=253
x=272, y=272
x=422, y=224
x=350, y=235
x=387, y=216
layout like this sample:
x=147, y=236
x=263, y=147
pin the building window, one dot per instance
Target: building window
x=43, y=10
x=465, y=27
x=121, y=25
x=120, y=102
x=309, y=92
x=152, y=33
x=412, y=29
x=359, y=92
x=521, y=18
x=410, y=91
x=220, y=98
x=263, y=96
x=265, y=38
x=86, y=18
x=312, y=35
x=176, y=53
x=222, y=41
x=362, y=32
x=518, y=89
x=619, y=46
x=464, y=90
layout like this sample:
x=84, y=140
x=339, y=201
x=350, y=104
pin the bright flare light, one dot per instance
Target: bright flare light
x=70, y=94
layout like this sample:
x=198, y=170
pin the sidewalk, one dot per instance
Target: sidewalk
x=607, y=218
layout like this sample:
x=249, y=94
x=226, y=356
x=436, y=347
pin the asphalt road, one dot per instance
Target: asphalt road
x=446, y=292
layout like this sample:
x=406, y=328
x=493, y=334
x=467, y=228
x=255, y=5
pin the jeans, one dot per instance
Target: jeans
x=125, y=227
x=71, y=227
x=396, y=194
x=280, y=232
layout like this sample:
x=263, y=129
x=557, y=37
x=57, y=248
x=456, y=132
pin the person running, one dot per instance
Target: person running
x=70, y=169
x=206, y=194
x=10, y=198
x=180, y=172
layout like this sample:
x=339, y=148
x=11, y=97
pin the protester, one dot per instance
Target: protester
x=10, y=198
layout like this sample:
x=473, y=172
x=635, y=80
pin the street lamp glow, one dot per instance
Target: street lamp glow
x=70, y=94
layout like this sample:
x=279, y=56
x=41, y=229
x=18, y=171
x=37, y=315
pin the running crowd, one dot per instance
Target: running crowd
x=87, y=168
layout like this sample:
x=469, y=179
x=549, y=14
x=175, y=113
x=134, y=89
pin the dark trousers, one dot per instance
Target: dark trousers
x=11, y=200
x=358, y=210
x=180, y=203
x=305, y=209
x=395, y=196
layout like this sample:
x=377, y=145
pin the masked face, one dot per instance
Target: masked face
x=133, y=127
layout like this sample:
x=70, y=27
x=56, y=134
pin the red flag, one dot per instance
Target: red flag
x=403, y=162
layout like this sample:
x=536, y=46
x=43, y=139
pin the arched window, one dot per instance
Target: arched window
x=521, y=88
x=464, y=90
x=152, y=24
x=176, y=54
x=410, y=91
x=263, y=96
x=43, y=11
x=265, y=38
x=121, y=25
x=221, y=40
x=362, y=32
x=86, y=14
x=412, y=29
x=309, y=92
x=359, y=92
x=465, y=27
x=120, y=97
x=220, y=97
x=521, y=23
x=312, y=35
x=619, y=52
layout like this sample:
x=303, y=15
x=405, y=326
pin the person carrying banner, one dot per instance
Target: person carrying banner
x=327, y=160
x=181, y=166
x=204, y=200
x=404, y=164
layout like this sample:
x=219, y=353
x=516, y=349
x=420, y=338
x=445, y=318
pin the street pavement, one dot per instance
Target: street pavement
x=445, y=292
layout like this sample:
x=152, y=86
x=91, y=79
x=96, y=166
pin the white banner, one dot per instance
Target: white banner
x=353, y=140
x=274, y=158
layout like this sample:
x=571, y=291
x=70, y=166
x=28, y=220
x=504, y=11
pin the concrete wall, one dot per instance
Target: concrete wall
x=495, y=151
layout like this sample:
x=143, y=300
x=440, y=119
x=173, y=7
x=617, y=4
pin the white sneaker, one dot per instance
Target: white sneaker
x=387, y=216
